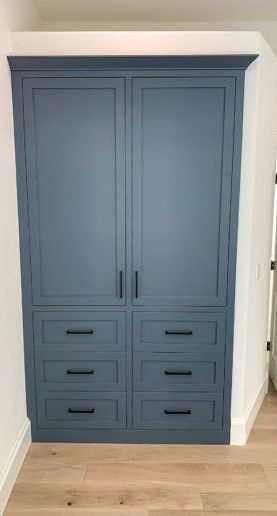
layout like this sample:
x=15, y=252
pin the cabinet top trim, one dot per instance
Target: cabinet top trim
x=234, y=61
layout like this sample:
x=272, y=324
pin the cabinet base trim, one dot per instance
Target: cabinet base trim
x=133, y=436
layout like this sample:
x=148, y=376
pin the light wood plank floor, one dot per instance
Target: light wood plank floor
x=152, y=480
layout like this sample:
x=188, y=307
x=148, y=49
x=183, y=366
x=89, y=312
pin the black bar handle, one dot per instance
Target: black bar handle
x=120, y=284
x=75, y=371
x=81, y=411
x=168, y=332
x=187, y=373
x=136, y=284
x=187, y=412
x=79, y=332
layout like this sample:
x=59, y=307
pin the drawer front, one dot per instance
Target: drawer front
x=81, y=371
x=79, y=331
x=177, y=332
x=184, y=371
x=82, y=410
x=177, y=411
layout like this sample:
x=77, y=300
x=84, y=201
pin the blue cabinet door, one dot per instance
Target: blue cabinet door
x=182, y=175
x=75, y=156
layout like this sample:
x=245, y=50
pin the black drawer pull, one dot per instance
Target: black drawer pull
x=178, y=332
x=81, y=411
x=79, y=332
x=181, y=373
x=177, y=411
x=75, y=371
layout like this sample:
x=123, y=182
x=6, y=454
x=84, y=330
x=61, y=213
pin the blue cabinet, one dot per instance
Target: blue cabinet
x=128, y=175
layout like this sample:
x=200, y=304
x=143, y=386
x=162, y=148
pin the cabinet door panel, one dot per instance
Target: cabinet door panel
x=182, y=172
x=75, y=152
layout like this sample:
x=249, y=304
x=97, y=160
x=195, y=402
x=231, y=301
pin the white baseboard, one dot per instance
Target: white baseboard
x=273, y=372
x=14, y=463
x=241, y=426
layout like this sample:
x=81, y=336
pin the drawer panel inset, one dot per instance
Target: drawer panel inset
x=81, y=371
x=179, y=331
x=79, y=331
x=177, y=411
x=81, y=410
x=178, y=372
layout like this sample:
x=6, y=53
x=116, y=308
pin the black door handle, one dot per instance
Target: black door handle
x=75, y=371
x=79, y=332
x=120, y=284
x=187, y=412
x=81, y=411
x=187, y=373
x=168, y=332
x=136, y=284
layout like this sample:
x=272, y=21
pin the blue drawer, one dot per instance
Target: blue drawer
x=81, y=371
x=81, y=410
x=178, y=371
x=179, y=331
x=193, y=411
x=80, y=331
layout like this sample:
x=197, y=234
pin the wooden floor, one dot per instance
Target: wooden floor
x=153, y=480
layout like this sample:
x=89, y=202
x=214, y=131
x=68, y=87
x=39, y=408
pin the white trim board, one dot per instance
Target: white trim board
x=14, y=463
x=241, y=426
x=133, y=42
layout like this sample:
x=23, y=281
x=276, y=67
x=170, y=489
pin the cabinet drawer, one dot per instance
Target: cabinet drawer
x=184, y=371
x=79, y=331
x=81, y=410
x=177, y=411
x=81, y=371
x=166, y=331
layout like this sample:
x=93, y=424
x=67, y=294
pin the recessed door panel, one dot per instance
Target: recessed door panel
x=75, y=148
x=182, y=171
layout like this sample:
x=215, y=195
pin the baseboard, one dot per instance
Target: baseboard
x=241, y=426
x=272, y=373
x=14, y=463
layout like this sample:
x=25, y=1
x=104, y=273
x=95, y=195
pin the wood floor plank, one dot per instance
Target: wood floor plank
x=46, y=472
x=266, y=420
x=78, y=512
x=103, y=495
x=177, y=472
x=240, y=502
x=263, y=436
x=269, y=407
x=177, y=512
x=270, y=471
x=252, y=453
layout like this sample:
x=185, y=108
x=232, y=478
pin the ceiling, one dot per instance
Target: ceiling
x=157, y=10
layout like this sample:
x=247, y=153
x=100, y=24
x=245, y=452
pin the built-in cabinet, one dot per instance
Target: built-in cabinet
x=128, y=183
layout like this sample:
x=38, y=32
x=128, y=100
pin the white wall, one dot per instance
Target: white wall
x=254, y=242
x=259, y=146
x=14, y=428
x=266, y=137
x=267, y=28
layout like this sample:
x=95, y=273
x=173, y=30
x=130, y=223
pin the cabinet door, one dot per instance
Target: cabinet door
x=182, y=172
x=75, y=152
